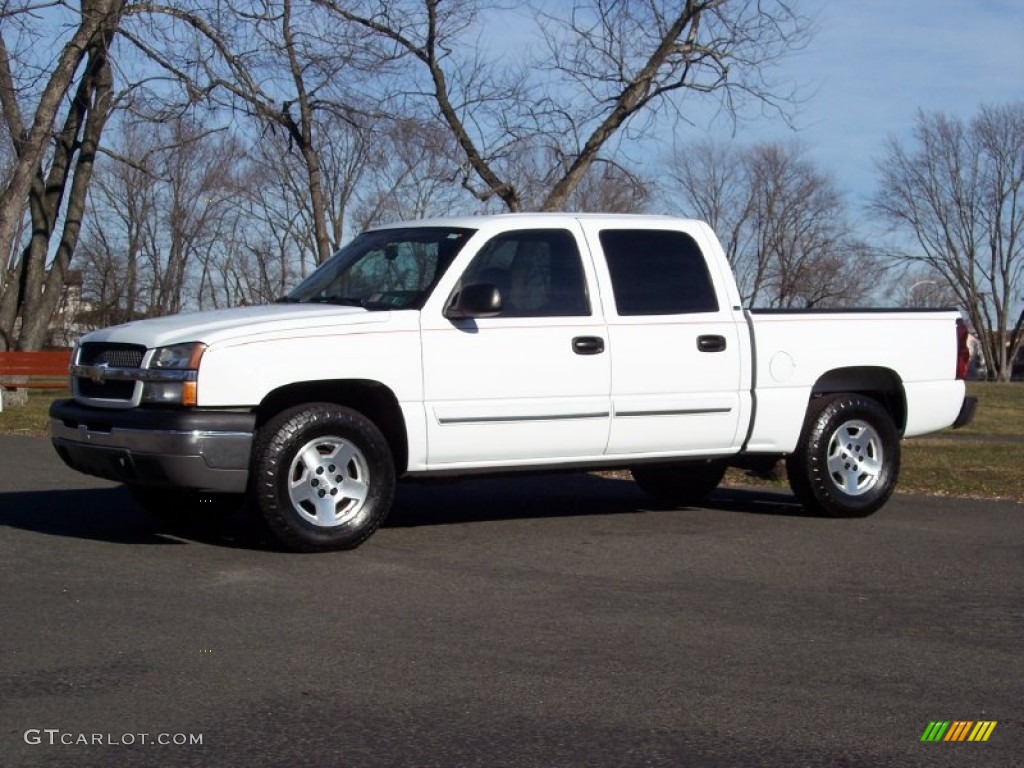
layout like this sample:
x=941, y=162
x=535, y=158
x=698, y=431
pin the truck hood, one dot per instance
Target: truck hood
x=230, y=324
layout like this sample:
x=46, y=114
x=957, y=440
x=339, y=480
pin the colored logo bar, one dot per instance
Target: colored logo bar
x=958, y=730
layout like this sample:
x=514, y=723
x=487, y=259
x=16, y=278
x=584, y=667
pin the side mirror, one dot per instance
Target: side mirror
x=475, y=300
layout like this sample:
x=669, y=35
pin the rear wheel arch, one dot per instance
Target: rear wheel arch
x=882, y=385
x=374, y=400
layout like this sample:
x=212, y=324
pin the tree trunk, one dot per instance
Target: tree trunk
x=302, y=134
x=32, y=143
x=41, y=302
x=632, y=99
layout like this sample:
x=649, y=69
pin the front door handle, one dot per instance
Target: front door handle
x=711, y=343
x=588, y=345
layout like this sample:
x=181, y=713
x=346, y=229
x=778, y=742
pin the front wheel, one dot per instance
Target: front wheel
x=848, y=458
x=324, y=477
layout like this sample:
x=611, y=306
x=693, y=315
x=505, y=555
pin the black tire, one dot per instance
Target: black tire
x=182, y=507
x=335, y=497
x=848, y=458
x=679, y=483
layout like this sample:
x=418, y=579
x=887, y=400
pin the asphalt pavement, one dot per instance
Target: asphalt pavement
x=541, y=621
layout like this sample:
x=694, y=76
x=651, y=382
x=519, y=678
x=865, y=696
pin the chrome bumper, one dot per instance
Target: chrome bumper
x=206, y=459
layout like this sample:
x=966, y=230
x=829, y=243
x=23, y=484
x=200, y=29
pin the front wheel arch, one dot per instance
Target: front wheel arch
x=373, y=399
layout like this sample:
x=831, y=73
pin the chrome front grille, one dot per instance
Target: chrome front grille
x=111, y=357
x=114, y=355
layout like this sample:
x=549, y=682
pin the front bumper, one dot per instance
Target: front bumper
x=205, y=450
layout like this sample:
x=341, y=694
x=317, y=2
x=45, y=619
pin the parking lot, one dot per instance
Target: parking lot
x=542, y=621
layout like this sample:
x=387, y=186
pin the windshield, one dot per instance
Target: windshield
x=385, y=269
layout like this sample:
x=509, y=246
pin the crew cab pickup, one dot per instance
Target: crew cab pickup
x=502, y=343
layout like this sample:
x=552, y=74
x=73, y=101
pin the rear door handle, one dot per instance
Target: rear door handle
x=588, y=345
x=711, y=343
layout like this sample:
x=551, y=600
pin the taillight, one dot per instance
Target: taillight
x=963, y=354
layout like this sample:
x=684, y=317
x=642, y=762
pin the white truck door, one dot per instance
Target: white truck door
x=677, y=351
x=532, y=383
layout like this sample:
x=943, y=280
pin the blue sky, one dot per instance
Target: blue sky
x=873, y=63
x=869, y=67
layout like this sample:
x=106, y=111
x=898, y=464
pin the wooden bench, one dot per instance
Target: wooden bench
x=34, y=370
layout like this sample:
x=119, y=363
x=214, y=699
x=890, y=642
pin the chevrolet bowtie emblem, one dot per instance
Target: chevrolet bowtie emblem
x=97, y=371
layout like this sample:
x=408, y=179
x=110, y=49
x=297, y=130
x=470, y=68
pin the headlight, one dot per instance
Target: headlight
x=174, y=371
x=178, y=357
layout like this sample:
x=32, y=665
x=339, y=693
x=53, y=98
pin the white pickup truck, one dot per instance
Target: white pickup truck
x=502, y=343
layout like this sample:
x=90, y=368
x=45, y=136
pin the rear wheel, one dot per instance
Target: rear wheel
x=848, y=458
x=324, y=477
x=679, y=484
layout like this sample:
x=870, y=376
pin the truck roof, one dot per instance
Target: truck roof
x=541, y=219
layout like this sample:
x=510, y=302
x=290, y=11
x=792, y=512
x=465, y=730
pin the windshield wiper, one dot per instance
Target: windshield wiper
x=286, y=300
x=345, y=301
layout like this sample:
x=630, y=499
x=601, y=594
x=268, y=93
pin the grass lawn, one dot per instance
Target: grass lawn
x=1000, y=410
x=30, y=419
x=946, y=464
x=963, y=468
x=951, y=464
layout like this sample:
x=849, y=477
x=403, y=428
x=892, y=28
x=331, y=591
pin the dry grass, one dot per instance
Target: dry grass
x=963, y=468
x=32, y=418
x=952, y=464
x=1001, y=409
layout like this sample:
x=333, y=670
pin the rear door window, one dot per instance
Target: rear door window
x=657, y=272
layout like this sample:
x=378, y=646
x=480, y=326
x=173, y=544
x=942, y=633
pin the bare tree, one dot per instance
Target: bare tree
x=350, y=112
x=96, y=19
x=164, y=213
x=806, y=255
x=9, y=260
x=123, y=199
x=278, y=200
x=782, y=223
x=281, y=61
x=957, y=191
x=265, y=240
x=31, y=293
x=610, y=188
x=715, y=186
x=408, y=175
x=916, y=285
x=607, y=65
